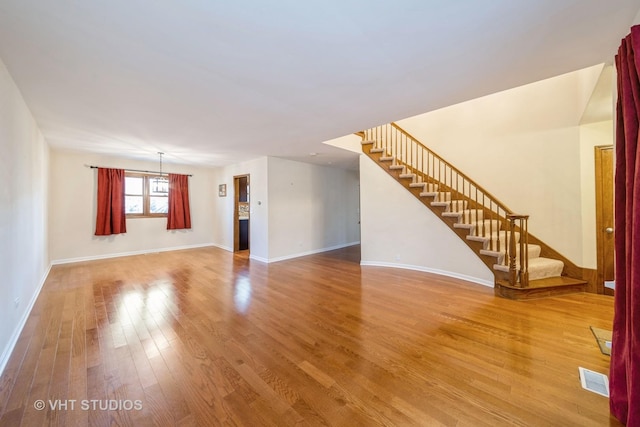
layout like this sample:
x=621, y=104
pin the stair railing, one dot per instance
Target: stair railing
x=493, y=219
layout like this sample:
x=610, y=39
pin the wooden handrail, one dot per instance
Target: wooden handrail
x=487, y=215
x=458, y=171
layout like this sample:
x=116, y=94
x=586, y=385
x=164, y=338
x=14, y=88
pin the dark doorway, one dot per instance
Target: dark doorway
x=241, y=213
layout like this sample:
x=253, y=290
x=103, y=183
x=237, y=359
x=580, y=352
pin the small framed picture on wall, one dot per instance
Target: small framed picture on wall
x=222, y=190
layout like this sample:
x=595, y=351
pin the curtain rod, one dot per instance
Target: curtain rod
x=136, y=170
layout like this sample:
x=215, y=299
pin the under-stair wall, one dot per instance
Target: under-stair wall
x=398, y=231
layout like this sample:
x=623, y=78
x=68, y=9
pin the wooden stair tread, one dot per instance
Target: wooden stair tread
x=548, y=282
x=548, y=287
x=556, y=281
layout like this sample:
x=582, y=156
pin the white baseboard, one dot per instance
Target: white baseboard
x=226, y=248
x=312, y=252
x=430, y=270
x=6, y=354
x=121, y=254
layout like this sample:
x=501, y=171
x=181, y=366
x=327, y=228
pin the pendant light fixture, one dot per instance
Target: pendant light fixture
x=160, y=184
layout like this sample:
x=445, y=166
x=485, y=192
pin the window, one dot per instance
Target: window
x=146, y=195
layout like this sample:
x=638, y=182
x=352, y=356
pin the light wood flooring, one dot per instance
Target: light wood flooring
x=204, y=337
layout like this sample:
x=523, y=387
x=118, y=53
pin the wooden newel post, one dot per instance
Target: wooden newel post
x=513, y=272
x=524, y=251
x=518, y=276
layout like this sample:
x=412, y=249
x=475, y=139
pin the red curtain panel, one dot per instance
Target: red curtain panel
x=624, y=373
x=179, y=215
x=110, y=218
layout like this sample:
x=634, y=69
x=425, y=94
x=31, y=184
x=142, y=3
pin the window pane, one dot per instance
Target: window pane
x=159, y=205
x=133, y=185
x=158, y=186
x=133, y=205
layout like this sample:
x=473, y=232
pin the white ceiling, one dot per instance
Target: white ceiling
x=217, y=82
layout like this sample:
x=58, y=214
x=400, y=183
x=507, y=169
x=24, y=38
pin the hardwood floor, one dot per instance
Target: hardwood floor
x=205, y=337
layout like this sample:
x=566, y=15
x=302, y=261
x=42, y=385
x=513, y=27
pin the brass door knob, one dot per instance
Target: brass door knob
x=609, y=230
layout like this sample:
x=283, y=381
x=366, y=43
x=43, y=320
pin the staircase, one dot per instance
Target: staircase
x=524, y=267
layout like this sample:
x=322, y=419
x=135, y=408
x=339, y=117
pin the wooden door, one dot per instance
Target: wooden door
x=604, y=217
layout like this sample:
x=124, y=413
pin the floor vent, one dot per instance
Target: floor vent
x=594, y=381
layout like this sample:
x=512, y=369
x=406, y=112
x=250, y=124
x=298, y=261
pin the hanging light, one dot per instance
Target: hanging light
x=160, y=184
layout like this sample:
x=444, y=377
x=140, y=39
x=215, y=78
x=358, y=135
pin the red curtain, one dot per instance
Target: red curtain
x=625, y=354
x=110, y=218
x=179, y=216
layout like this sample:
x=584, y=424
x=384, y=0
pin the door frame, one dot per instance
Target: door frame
x=600, y=222
x=236, y=217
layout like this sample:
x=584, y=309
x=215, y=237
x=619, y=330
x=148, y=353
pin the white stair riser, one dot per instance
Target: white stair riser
x=472, y=215
x=538, y=268
x=427, y=188
x=486, y=227
x=533, y=252
x=491, y=243
x=457, y=205
x=443, y=197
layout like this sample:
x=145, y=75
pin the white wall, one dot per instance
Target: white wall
x=311, y=208
x=73, y=211
x=295, y=208
x=636, y=20
x=399, y=231
x=523, y=145
x=24, y=259
x=258, y=202
x=350, y=142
